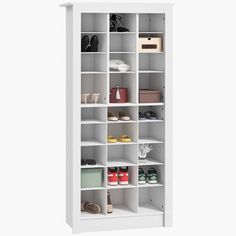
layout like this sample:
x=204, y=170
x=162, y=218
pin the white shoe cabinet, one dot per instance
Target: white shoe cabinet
x=134, y=205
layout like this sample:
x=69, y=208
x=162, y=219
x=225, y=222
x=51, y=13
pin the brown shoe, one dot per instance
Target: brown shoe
x=90, y=207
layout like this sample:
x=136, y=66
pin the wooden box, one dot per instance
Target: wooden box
x=150, y=44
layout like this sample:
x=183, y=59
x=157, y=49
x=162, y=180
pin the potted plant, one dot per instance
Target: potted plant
x=143, y=150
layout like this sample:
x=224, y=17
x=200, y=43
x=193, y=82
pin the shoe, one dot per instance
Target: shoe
x=111, y=139
x=141, y=116
x=123, y=116
x=109, y=203
x=124, y=139
x=123, y=175
x=91, y=162
x=150, y=115
x=85, y=98
x=112, y=176
x=141, y=176
x=83, y=162
x=90, y=207
x=111, y=116
x=94, y=97
x=93, y=44
x=116, y=24
x=152, y=176
x=84, y=43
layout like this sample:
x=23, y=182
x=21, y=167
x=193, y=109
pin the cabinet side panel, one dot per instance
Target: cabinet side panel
x=69, y=116
x=168, y=108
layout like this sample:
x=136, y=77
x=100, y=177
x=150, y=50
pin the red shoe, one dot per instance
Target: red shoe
x=112, y=176
x=123, y=176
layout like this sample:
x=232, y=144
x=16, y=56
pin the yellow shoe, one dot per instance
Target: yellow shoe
x=124, y=138
x=111, y=139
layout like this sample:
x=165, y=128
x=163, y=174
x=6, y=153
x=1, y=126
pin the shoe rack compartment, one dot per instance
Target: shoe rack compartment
x=126, y=81
x=155, y=156
x=94, y=22
x=129, y=21
x=95, y=84
x=94, y=63
x=128, y=58
x=122, y=43
x=93, y=134
x=151, y=132
x=124, y=201
x=97, y=197
x=98, y=153
x=130, y=111
x=93, y=115
x=119, y=129
x=122, y=155
x=151, y=200
x=151, y=62
x=152, y=23
x=102, y=42
x=159, y=110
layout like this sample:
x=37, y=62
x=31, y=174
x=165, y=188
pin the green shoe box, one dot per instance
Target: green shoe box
x=91, y=178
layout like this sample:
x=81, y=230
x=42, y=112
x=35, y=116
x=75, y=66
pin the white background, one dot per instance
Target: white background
x=32, y=119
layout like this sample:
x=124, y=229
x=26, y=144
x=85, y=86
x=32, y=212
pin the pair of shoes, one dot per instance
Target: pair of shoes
x=90, y=98
x=90, y=162
x=116, y=24
x=148, y=115
x=123, y=138
x=90, y=207
x=91, y=46
x=118, y=65
x=121, y=116
x=116, y=176
x=109, y=203
x=151, y=177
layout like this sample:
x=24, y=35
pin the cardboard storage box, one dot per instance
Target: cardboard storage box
x=149, y=96
x=91, y=178
x=150, y=44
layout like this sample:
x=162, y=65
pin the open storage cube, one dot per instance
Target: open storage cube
x=97, y=86
x=151, y=200
x=124, y=201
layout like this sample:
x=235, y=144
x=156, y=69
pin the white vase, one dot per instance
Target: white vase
x=142, y=158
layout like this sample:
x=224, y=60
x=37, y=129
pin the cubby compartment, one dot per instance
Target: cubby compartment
x=102, y=42
x=155, y=157
x=127, y=58
x=160, y=175
x=151, y=201
x=93, y=115
x=132, y=179
x=94, y=84
x=151, y=62
x=122, y=43
x=97, y=153
x=122, y=155
x=93, y=134
x=151, y=132
x=94, y=63
x=131, y=112
x=97, y=197
x=118, y=129
x=151, y=23
x=94, y=22
x=127, y=81
x=159, y=111
x=127, y=20
x=124, y=201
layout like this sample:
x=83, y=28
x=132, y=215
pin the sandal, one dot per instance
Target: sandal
x=141, y=116
x=123, y=116
x=124, y=138
x=111, y=116
x=111, y=139
x=91, y=162
x=90, y=207
x=95, y=97
x=150, y=115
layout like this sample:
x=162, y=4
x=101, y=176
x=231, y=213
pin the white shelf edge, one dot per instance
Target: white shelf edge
x=148, y=140
x=117, y=163
x=93, y=53
x=151, y=71
x=121, y=186
x=91, y=143
x=94, y=188
x=127, y=104
x=88, y=122
x=150, y=162
x=150, y=185
x=122, y=52
x=121, y=143
x=92, y=166
x=151, y=104
x=122, y=72
x=93, y=32
x=151, y=121
x=121, y=122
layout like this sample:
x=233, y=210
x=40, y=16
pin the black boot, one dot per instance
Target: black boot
x=84, y=43
x=93, y=44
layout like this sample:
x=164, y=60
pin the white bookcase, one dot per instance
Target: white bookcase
x=135, y=206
